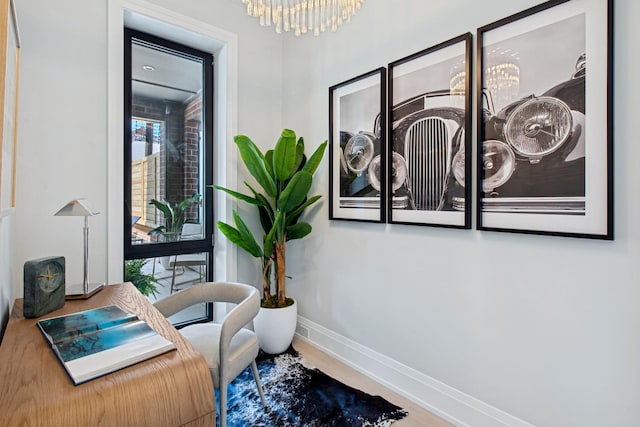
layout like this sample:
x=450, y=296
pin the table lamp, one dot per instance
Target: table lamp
x=80, y=207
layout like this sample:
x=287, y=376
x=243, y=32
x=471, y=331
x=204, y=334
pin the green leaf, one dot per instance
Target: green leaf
x=265, y=210
x=266, y=218
x=158, y=230
x=247, y=235
x=255, y=163
x=235, y=236
x=260, y=199
x=299, y=154
x=295, y=192
x=315, y=159
x=298, y=231
x=183, y=205
x=293, y=215
x=162, y=206
x=284, y=155
x=237, y=195
x=270, y=236
x=268, y=161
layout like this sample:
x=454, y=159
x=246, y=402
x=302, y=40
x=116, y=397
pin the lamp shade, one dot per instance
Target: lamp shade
x=77, y=207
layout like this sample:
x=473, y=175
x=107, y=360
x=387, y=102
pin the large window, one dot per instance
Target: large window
x=168, y=164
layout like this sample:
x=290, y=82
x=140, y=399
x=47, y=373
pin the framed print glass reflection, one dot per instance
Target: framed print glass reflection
x=544, y=153
x=429, y=142
x=357, y=157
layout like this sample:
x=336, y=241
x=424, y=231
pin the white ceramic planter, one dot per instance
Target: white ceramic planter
x=276, y=327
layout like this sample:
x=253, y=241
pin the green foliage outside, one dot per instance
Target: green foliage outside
x=133, y=273
x=174, y=215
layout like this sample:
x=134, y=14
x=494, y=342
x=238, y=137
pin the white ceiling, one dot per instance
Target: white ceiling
x=174, y=78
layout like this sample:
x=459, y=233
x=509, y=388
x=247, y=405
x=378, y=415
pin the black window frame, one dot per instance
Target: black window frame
x=206, y=244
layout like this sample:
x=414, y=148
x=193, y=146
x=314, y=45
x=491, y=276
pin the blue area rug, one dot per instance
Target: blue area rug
x=299, y=395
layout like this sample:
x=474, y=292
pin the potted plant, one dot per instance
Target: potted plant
x=174, y=216
x=285, y=176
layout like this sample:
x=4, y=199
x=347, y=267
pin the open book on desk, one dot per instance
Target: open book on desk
x=96, y=342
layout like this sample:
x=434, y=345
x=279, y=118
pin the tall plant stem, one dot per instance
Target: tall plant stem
x=266, y=278
x=281, y=271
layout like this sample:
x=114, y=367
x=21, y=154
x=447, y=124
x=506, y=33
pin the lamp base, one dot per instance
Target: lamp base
x=94, y=288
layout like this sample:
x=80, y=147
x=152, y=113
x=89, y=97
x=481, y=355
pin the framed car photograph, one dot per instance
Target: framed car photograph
x=429, y=141
x=544, y=157
x=357, y=158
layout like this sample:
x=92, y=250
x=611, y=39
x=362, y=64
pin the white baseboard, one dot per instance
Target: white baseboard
x=445, y=401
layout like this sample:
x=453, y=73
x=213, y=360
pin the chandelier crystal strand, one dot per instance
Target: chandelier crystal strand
x=331, y=17
x=347, y=10
x=316, y=17
x=297, y=19
x=323, y=15
x=249, y=7
x=285, y=15
x=268, y=11
x=277, y=16
x=261, y=12
x=301, y=16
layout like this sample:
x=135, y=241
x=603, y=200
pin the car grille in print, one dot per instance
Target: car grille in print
x=427, y=150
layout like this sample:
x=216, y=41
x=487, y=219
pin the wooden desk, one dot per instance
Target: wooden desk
x=173, y=389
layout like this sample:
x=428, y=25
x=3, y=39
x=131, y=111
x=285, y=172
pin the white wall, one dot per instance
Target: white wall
x=61, y=143
x=63, y=128
x=544, y=328
x=260, y=80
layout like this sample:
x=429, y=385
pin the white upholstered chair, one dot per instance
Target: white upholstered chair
x=229, y=347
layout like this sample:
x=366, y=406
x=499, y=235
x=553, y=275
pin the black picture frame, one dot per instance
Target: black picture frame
x=544, y=160
x=357, y=157
x=429, y=142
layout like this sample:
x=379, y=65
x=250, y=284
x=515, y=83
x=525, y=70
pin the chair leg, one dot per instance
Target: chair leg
x=254, y=369
x=223, y=405
x=173, y=277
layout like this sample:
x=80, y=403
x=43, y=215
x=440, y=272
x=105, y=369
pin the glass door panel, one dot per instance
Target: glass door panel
x=166, y=143
x=168, y=165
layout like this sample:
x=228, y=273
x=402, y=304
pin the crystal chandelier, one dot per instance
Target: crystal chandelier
x=301, y=16
x=502, y=76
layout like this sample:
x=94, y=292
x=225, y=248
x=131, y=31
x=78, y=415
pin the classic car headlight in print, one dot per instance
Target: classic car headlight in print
x=360, y=170
x=538, y=127
x=498, y=164
x=534, y=155
x=373, y=172
x=398, y=173
x=358, y=152
x=458, y=165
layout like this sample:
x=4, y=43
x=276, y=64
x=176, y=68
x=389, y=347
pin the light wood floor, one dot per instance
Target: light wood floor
x=418, y=416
